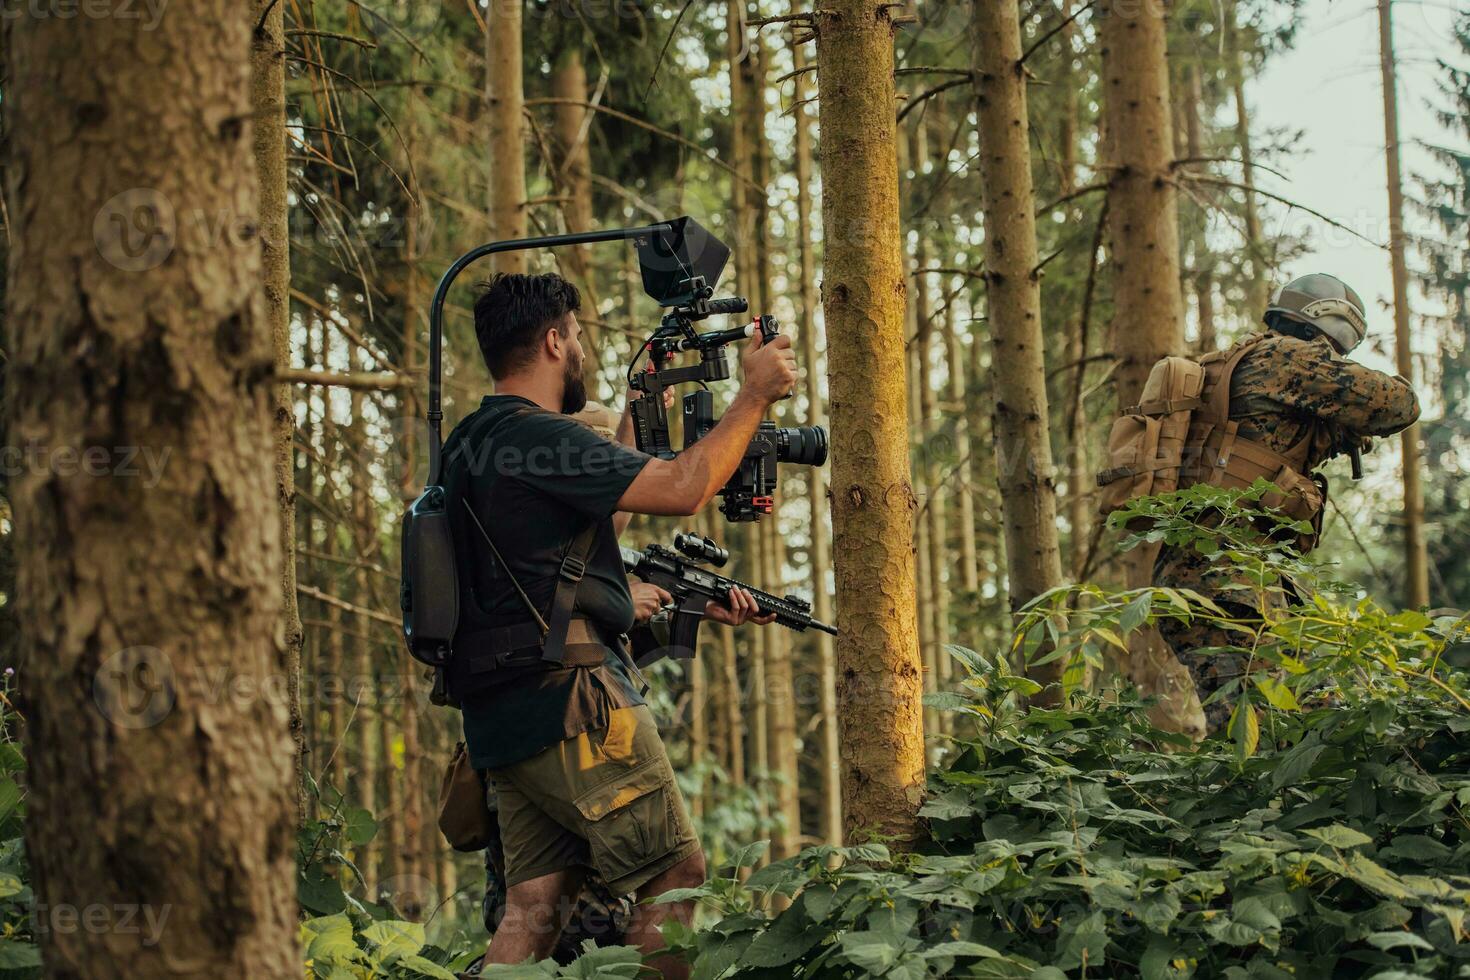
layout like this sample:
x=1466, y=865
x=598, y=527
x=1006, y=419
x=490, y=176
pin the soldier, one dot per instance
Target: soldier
x=1294, y=399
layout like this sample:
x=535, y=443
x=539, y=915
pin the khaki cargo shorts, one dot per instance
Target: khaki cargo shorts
x=605, y=800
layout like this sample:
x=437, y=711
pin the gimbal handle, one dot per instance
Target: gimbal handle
x=435, y=414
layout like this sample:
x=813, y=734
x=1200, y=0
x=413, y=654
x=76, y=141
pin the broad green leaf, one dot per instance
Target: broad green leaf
x=1339, y=836
x=1162, y=960
x=1294, y=766
x=424, y=967
x=358, y=825
x=18, y=955
x=788, y=938
x=1277, y=693
x=1377, y=878
x=395, y=938
x=1244, y=729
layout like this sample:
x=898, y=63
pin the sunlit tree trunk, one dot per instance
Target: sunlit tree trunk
x=1416, y=558
x=880, y=684
x=268, y=102
x=1018, y=366
x=1148, y=309
x=821, y=556
x=147, y=597
x=505, y=104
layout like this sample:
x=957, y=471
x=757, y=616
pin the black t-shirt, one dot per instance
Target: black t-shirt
x=535, y=478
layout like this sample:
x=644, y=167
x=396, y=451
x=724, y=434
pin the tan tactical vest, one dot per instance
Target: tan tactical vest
x=1181, y=434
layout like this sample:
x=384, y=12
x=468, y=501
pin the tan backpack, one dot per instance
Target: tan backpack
x=1181, y=434
x=1146, y=445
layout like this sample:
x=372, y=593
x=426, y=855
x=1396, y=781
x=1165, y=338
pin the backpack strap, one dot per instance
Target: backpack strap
x=564, y=601
x=1219, y=400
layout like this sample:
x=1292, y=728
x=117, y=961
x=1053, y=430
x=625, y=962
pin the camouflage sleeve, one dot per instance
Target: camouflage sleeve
x=1316, y=380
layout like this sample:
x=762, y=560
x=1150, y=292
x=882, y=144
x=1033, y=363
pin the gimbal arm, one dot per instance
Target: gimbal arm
x=435, y=413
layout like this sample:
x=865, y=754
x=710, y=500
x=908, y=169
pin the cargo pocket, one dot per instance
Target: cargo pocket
x=1133, y=446
x=629, y=821
x=1301, y=499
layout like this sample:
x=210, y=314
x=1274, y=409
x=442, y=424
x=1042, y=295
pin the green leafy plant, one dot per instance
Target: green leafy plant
x=1310, y=642
x=20, y=958
x=1080, y=841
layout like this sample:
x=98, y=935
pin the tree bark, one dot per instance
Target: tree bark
x=1416, y=558
x=1258, y=285
x=880, y=686
x=574, y=162
x=146, y=602
x=505, y=99
x=1203, y=278
x=831, y=788
x=268, y=102
x=1018, y=366
x=1148, y=307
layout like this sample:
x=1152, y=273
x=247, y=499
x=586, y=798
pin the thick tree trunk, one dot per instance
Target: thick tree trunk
x=505, y=102
x=821, y=556
x=1018, y=366
x=147, y=598
x=1416, y=558
x=268, y=102
x=873, y=499
x=1148, y=308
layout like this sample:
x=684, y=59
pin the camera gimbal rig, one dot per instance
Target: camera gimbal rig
x=750, y=491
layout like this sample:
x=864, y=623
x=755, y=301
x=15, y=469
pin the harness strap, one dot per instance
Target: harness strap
x=520, y=645
x=563, y=602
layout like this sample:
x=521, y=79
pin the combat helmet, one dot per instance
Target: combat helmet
x=1323, y=304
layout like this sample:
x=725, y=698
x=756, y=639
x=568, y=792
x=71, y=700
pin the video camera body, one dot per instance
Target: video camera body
x=679, y=278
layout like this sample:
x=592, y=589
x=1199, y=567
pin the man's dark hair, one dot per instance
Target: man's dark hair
x=513, y=314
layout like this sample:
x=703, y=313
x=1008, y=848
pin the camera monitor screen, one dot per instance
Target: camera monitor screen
x=670, y=261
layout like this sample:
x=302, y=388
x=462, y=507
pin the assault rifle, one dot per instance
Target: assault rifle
x=678, y=572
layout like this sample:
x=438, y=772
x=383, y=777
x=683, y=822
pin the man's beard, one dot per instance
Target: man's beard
x=574, y=389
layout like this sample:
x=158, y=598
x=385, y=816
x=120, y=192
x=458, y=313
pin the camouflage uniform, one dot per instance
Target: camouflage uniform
x=1280, y=390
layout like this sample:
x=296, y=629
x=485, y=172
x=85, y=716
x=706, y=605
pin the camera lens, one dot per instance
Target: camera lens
x=805, y=444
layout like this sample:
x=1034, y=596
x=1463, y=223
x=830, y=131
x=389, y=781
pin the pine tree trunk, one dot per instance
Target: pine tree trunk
x=1416, y=557
x=505, y=103
x=1258, y=286
x=923, y=570
x=964, y=452
x=268, y=101
x=1018, y=367
x=574, y=162
x=1203, y=279
x=1148, y=307
x=147, y=596
x=880, y=685
x=821, y=555
x=780, y=694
